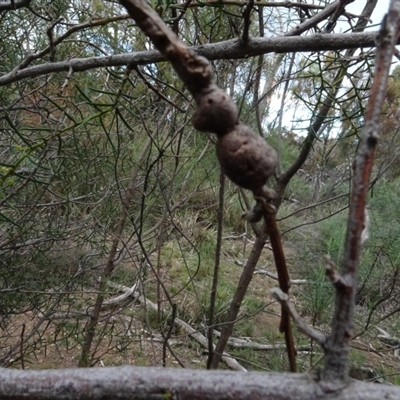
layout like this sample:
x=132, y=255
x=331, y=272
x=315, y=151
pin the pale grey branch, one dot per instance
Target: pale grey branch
x=136, y=383
x=229, y=49
x=303, y=327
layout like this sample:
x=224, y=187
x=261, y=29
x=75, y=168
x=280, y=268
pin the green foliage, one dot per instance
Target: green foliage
x=318, y=296
x=379, y=266
x=379, y=262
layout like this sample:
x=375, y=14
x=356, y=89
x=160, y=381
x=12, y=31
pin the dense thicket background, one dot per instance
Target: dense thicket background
x=103, y=178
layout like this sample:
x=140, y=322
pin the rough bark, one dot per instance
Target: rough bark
x=136, y=383
x=337, y=347
x=228, y=49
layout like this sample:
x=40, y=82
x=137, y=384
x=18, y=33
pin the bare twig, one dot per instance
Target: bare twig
x=335, y=16
x=94, y=317
x=154, y=89
x=321, y=112
x=269, y=212
x=57, y=41
x=275, y=277
x=21, y=349
x=223, y=50
x=246, y=17
x=337, y=347
x=50, y=34
x=244, y=281
x=218, y=249
x=316, y=19
x=230, y=361
x=257, y=78
x=168, y=336
x=310, y=332
x=331, y=272
x=183, y=7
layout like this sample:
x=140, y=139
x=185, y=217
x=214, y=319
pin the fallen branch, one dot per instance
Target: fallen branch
x=276, y=278
x=138, y=383
x=230, y=361
x=248, y=343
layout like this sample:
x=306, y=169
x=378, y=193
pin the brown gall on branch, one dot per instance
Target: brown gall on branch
x=246, y=158
x=303, y=327
x=215, y=112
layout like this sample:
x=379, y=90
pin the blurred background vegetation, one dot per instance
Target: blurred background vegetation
x=103, y=178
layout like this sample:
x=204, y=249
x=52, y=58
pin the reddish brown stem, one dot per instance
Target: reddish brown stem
x=284, y=283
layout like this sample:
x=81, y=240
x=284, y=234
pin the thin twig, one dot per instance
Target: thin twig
x=285, y=327
x=246, y=17
x=218, y=248
x=275, y=277
x=183, y=8
x=85, y=357
x=310, y=332
x=21, y=349
x=168, y=335
x=337, y=347
x=335, y=16
x=154, y=89
x=50, y=34
x=334, y=276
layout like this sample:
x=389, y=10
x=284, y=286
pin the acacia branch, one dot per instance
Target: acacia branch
x=228, y=49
